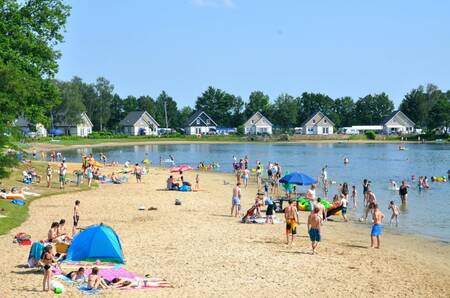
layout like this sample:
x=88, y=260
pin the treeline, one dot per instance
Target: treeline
x=428, y=107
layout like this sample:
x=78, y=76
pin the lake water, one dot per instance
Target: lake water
x=427, y=212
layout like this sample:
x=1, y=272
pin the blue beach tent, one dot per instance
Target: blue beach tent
x=98, y=242
x=298, y=178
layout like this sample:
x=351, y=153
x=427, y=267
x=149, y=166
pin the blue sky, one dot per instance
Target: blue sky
x=339, y=48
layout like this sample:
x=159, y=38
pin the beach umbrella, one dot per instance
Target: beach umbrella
x=182, y=168
x=298, y=179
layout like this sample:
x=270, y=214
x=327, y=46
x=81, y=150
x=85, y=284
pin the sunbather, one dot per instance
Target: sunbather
x=95, y=281
x=53, y=232
x=77, y=276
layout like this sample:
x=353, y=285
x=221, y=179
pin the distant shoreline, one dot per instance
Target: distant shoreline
x=50, y=147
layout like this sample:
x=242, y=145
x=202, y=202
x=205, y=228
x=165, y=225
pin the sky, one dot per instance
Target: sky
x=339, y=48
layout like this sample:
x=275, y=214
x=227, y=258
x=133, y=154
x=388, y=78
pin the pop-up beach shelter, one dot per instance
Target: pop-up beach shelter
x=298, y=178
x=98, y=242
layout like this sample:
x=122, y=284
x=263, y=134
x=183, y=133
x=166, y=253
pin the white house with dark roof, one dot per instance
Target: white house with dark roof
x=82, y=129
x=398, y=123
x=29, y=128
x=139, y=123
x=200, y=123
x=318, y=124
x=258, y=124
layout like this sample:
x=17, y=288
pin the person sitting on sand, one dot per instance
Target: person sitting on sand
x=377, y=227
x=395, y=213
x=115, y=179
x=95, y=281
x=314, y=222
x=171, y=185
x=291, y=217
x=77, y=276
x=187, y=183
x=53, y=232
x=62, y=235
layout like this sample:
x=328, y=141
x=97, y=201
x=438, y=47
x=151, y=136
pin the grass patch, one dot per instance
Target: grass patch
x=16, y=215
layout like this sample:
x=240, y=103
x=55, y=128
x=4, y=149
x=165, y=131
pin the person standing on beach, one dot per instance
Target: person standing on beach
x=311, y=196
x=197, y=182
x=395, y=213
x=76, y=216
x=314, y=221
x=138, y=173
x=236, y=200
x=62, y=175
x=49, y=174
x=377, y=228
x=291, y=217
x=371, y=200
x=403, y=192
x=354, y=196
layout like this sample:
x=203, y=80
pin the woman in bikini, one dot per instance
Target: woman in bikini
x=47, y=260
x=53, y=232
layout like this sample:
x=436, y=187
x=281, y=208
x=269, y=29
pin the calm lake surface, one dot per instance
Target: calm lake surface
x=427, y=212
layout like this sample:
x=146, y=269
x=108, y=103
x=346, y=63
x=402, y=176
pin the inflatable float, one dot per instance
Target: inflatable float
x=438, y=179
x=332, y=208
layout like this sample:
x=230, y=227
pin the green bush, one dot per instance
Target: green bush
x=106, y=135
x=371, y=135
x=240, y=131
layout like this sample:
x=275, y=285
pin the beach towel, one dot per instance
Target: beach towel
x=35, y=254
x=83, y=288
x=18, y=202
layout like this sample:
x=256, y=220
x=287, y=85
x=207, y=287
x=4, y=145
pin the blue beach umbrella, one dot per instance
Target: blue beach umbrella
x=298, y=178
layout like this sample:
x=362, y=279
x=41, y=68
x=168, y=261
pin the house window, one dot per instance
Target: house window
x=207, y=121
x=198, y=122
x=310, y=129
x=314, y=120
x=325, y=129
x=253, y=121
x=325, y=120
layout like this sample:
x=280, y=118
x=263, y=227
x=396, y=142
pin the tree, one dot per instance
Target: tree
x=439, y=117
x=257, y=102
x=130, y=104
x=30, y=31
x=165, y=102
x=222, y=107
x=311, y=103
x=343, y=112
x=104, y=90
x=285, y=111
x=185, y=112
x=415, y=106
x=71, y=106
x=117, y=112
x=372, y=109
x=146, y=103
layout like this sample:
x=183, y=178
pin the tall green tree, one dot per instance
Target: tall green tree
x=164, y=101
x=343, y=112
x=104, y=90
x=285, y=111
x=222, y=107
x=439, y=117
x=30, y=31
x=257, y=102
x=130, y=104
x=185, y=112
x=372, y=109
x=117, y=113
x=71, y=106
x=146, y=103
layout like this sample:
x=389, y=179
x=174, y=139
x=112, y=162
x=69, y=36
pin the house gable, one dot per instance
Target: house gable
x=399, y=118
x=200, y=118
x=85, y=121
x=257, y=119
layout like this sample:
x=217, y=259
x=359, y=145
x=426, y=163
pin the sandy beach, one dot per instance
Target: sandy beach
x=204, y=252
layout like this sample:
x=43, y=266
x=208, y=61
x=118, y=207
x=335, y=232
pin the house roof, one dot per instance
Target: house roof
x=133, y=117
x=395, y=113
x=83, y=116
x=257, y=117
x=194, y=117
x=323, y=116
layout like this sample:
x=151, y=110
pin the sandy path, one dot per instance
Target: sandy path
x=206, y=253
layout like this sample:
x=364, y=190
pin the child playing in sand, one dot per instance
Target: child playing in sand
x=354, y=196
x=395, y=213
x=47, y=259
x=138, y=173
x=76, y=216
x=314, y=222
x=197, y=182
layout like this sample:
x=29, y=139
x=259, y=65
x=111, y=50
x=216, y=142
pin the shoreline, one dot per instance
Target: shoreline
x=49, y=147
x=196, y=244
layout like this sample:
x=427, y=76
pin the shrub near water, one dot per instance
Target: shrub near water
x=371, y=135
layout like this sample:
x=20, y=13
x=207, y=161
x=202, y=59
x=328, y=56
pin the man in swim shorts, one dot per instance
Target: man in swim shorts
x=377, y=228
x=314, y=221
x=291, y=217
x=236, y=200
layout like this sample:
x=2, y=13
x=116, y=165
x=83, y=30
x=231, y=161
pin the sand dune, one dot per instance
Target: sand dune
x=206, y=253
